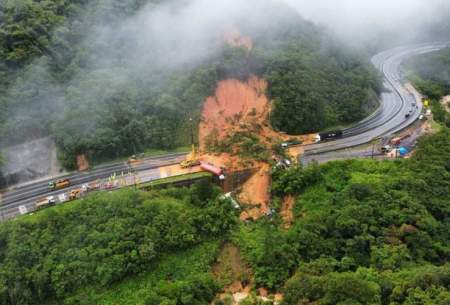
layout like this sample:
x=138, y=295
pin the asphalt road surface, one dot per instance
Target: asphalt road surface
x=390, y=117
x=27, y=195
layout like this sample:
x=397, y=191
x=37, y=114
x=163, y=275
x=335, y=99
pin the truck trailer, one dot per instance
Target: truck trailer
x=45, y=202
x=325, y=136
x=211, y=168
x=59, y=184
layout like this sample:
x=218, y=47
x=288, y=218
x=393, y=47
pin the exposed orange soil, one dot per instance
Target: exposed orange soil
x=82, y=162
x=233, y=98
x=255, y=192
x=287, y=213
x=243, y=106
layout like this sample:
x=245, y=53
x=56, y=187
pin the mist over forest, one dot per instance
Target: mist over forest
x=379, y=24
x=112, y=78
x=245, y=218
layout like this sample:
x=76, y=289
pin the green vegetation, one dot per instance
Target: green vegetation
x=430, y=73
x=182, y=268
x=365, y=232
x=75, y=70
x=244, y=144
x=314, y=91
x=96, y=242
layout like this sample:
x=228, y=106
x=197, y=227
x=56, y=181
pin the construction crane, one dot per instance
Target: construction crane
x=192, y=159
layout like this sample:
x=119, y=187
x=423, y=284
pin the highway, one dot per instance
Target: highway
x=395, y=104
x=26, y=195
x=389, y=118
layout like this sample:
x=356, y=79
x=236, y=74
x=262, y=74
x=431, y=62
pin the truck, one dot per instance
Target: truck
x=75, y=194
x=59, y=184
x=209, y=167
x=324, y=136
x=45, y=202
x=133, y=160
x=396, y=141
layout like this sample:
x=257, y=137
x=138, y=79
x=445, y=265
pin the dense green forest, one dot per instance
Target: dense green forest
x=365, y=232
x=98, y=241
x=430, y=73
x=90, y=74
x=314, y=91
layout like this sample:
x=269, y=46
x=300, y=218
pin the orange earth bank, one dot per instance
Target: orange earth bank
x=235, y=106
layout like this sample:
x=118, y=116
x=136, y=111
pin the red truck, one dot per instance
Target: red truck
x=398, y=140
x=209, y=167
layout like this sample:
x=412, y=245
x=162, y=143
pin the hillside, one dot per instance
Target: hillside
x=431, y=75
x=110, y=79
x=363, y=232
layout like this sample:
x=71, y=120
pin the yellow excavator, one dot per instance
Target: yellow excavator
x=191, y=160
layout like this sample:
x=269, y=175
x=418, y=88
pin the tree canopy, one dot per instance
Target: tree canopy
x=81, y=72
x=365, y=232
x=100, y=240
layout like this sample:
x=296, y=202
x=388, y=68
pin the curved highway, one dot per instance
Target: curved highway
x=396, y=103
x=389, y=118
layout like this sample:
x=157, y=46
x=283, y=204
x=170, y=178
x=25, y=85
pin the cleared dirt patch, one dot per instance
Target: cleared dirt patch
x=82, y=162
x=233, y=274
x=287, y=212
x=231, y=271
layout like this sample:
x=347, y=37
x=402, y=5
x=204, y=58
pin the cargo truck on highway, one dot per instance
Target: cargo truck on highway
x=45, y=202
x=325, y=136
x=75, y=194
x=59, y=184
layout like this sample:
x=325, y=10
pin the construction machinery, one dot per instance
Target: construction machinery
x=133, y=160
x=191, y=160
x=396, y=141
x=59, y=184
x=75, y=194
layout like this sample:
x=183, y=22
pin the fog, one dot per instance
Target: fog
x=147, y=47
x=136, y=53
x=360, y=22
